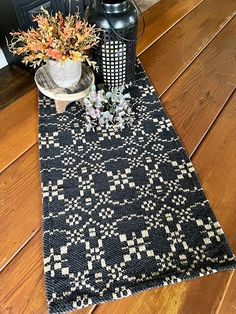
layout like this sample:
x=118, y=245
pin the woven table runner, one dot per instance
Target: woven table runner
x=122, y=211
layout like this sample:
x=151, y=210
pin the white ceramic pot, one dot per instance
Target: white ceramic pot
x=65, y=74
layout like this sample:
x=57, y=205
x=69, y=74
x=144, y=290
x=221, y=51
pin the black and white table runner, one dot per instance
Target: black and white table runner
x=122, y=211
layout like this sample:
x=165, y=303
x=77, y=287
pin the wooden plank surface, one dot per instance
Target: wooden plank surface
x=161, y=17
x=18, y=128
x=168, y=57
x=189, y=289
x=194, y=101
x=174, y=106
x=31, y=179
x=196, y=296
x=20, y=209
x=14, y=82
x=215, y=161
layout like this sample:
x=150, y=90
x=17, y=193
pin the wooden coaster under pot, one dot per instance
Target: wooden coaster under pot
x=64, y=96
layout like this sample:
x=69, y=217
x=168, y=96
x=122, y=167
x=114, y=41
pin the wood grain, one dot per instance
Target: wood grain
x=20, y=199
x=161, y=17
x=14, y=82
x=167, y=58
x=194, y=101
x=228, y=304
x=18, y=128
x=22, y=282
x=15, y=297
x=216, y=163
x=196, y=296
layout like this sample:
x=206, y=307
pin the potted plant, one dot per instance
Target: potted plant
x=62, y=42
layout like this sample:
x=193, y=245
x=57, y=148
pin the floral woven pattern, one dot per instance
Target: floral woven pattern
x=122, y=211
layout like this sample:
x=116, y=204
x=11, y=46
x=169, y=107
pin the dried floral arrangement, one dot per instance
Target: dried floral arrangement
x=108, y=108
x=55, y=37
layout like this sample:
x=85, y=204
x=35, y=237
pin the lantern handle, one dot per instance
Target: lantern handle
x=115, y=32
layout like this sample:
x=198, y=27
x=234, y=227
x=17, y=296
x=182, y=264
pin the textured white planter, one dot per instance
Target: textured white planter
x=65, y=74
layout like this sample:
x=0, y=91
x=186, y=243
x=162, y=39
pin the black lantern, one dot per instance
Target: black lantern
x=116, y=53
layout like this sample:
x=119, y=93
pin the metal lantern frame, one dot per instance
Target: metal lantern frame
x=117, y=63
x=116, y=52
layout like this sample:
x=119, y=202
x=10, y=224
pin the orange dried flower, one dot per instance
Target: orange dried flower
x=54, y=54
x=56, y=37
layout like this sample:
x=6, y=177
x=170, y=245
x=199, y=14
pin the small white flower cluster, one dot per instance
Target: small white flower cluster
x=108, y=108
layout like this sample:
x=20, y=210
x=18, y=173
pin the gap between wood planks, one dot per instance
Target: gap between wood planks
x=211, y=125
x=20, y=248
x=195, y=57
x=169, y=28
